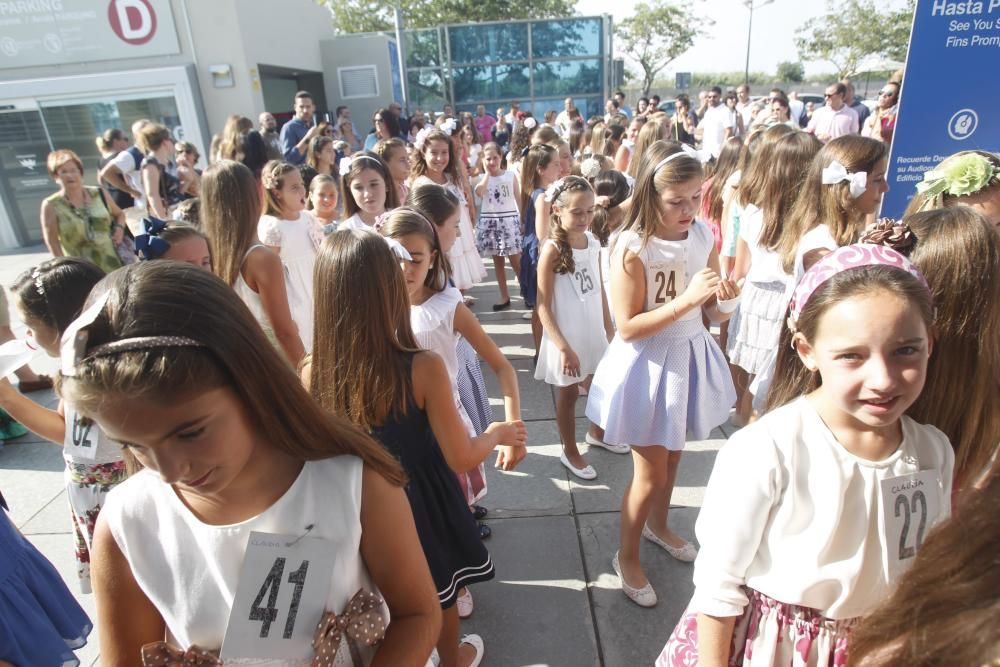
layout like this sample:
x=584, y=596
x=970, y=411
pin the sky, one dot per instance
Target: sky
x=724, y=48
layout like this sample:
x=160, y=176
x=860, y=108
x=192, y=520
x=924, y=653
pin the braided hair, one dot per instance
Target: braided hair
x=564, y=262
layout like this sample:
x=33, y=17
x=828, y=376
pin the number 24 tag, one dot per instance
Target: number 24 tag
x=280, y=597
x=911, y=505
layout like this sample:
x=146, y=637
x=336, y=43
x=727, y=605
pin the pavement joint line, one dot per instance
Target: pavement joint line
x=42, y=509
x=586, y=573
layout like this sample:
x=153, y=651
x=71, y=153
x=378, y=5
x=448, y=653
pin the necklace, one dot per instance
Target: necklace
x=83, y=214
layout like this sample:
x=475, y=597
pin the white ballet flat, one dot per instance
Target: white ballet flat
x=686, y=553
x=644, y=597
x=476, y=642
x=587, y=473
x=465, y=604
x=614, y=449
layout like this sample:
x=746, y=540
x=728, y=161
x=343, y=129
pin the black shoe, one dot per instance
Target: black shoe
x=484, y=531
x=479, y=512
x=497, y=307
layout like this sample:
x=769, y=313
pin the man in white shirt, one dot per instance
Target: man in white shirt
x=718, y=123
x=743, y=105
x=836, y=118
x=124, y=172
x=511, y=116
x=564, y=121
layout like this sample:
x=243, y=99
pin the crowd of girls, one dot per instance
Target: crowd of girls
x=320, y=398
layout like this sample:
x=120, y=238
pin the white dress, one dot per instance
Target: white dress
x=466, y=265
x=297, y=240
x=579, y=313
x=354, y=222
x=189, y=570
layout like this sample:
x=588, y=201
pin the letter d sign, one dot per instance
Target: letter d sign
x=134, y=21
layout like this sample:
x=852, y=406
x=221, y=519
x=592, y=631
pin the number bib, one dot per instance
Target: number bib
x=83, y=437
x=911, y=505
x=584, y=281
x=664, y=281
x=280, y=597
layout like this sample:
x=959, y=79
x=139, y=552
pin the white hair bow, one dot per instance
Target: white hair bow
x=837, y=173
x=553, y=191
x=530, y=122
x=590, y=168
x=397, y=249
x=449, y=126
x=421, y=138
x=345, y=165
x=74, y=339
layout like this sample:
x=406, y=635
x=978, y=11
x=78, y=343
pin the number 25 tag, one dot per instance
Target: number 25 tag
x=911, y=505
x=280, y=597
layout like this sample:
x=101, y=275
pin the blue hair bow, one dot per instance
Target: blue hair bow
x=150, y=245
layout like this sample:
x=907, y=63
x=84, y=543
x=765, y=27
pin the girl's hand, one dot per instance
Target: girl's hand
x=511, y=434
x=703, y=286
x=570, y=363
x=728, y=289
x=509, y=457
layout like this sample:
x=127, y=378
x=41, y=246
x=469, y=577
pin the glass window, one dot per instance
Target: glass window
x=485, y=43
x=566, y=37
x=568, y=77
x=426, y=89
x=423, y=48
x=588, y=106
x=491, y=82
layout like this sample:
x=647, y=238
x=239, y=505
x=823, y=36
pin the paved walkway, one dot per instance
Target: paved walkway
x=554, y=601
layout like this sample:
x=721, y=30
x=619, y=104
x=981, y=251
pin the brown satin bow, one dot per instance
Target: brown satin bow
x=361, y=622
x=162, y=654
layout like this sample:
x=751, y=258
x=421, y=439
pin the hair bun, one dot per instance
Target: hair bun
x=891, y=233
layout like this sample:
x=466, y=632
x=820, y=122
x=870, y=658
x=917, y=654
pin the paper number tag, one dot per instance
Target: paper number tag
x=83, y=437
x=584, y=282
x=911, y=505
x=280, y=597
x=664, y=281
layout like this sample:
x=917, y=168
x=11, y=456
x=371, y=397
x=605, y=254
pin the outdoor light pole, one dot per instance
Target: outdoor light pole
x=750, y=4
x=401, y=56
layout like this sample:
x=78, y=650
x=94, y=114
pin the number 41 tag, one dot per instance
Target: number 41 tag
x=280, y=597
x=911, y=505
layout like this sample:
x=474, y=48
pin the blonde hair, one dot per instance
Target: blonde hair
x=58, y=158
x=784, y=164
x=230, y=211
x=272, y=177
x=650, y=133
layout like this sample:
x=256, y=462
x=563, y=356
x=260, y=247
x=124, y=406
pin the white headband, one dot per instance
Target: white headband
x=837, y=173
x=685, y=151
x=346, y=162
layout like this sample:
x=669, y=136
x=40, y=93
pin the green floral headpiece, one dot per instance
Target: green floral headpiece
x=959, y=176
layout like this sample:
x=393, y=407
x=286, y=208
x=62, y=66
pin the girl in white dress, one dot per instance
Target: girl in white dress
x=814, y=511
x=498, y=234
x=295, y=234
x=435, y=161
x=576, y=326
x=244, y=479
x=369, y=189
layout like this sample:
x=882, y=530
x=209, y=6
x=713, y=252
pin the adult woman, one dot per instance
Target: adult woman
x=162, y=188
x=187, y=157
x=386, y=127
x=346, y=129
x=80, y=221
x=501, y=131
x=881, y=124
x=241, y=142
x=320, y=159
x=110, y=143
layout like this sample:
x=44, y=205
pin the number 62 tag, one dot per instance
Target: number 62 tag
x=911, y=505
x=280, y=597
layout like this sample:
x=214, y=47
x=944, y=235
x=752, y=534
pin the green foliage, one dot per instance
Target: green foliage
x=656, y=34
x=374, y=16
x=791, y=72
x=853, y=30
x=727, y=80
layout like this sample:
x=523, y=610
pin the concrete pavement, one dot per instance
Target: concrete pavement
x=555, y=600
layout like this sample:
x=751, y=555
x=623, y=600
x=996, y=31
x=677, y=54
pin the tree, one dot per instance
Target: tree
x=656, y=35
x=853, y=30
x=375, y=16
x=791, y=72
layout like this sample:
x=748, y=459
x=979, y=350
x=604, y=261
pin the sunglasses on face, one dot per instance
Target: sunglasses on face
x=886, y=93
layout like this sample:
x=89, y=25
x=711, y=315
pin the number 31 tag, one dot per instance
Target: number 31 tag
x=280, y=597
x=911, y=505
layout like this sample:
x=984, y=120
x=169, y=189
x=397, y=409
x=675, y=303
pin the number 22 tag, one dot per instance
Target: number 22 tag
x=911, y=505
x=280, y=597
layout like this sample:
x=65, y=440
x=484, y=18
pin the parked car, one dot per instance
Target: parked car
x=668, y=106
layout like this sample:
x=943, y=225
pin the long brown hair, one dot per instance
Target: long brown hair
x=230, y=211
x=360, y=162
x=273, y=178
x=231, y=141
x=564, y=262
x=831, y=205
x=419, y=164
x=959, y=253
x=539, y=157
x=436, y=203
x=946, y=609
x=791, y=378
x=784, y=166
x=650, y=133
x=610, y=184
x=753, y=173
x=159, y=299
x=406, y=222
x=315, y=147
x=358, y=366
x=727, y=162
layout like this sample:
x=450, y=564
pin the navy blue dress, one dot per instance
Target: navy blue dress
x=448, y=533
x=528, y=278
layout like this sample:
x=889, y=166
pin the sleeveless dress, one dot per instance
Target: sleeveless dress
x=528, y=276
x=467, y=266
x=579, y=314
x=499, y=231
x=448, y=533
x=298, y=242
x=41, y=623
x=656, y=390
x=86, y=232
x=191, y=577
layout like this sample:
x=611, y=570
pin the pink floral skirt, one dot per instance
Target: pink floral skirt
x=87, y=485
x=768, y=633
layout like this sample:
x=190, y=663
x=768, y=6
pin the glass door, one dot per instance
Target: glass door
x=24, y=180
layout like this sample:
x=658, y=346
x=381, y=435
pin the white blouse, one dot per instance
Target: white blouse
x=765, y=264
x=791, y=513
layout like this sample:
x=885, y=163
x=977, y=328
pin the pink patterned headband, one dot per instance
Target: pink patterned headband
x=842, y=259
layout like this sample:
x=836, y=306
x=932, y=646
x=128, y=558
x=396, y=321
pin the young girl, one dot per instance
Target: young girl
x=649, y=133
x=323, y=201
x=576, y=326
x=971, y=178
x=369, y=189
x=435, y=162
x=49, y=297
x=231, y=210
x=806, y=522
x=499, y=230
x=175, y=241
x=539, y=170
x=472, y=148
x=291, y=231
x=394, y=153
x=244, y=472
x=713, y=196
x=520, y=141
x=407, y=405
x=624, y=154
x=663, y=375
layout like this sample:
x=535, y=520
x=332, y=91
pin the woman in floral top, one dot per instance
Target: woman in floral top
x=80, y=221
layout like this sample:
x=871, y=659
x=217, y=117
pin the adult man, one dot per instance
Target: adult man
x=718, y=123
x=859, y=107
x=483, y=122
x=268, y=128
x=796, y=107
x=124, y=173
x=881, y=124
x=622, y=107
x=396, y=109
x=449, y=111
x=611, y=108
x=343, y=113
x=564, y=121
x=654, y=104
x=836, y=118
x=299, y=131
x=512, y=114
x=743, y=105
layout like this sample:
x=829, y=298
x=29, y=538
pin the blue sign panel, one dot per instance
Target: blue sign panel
x=950, y=100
